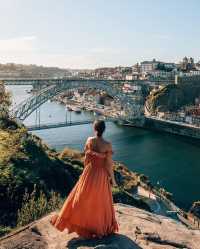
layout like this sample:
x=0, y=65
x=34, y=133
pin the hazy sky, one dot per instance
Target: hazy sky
x=93, y=33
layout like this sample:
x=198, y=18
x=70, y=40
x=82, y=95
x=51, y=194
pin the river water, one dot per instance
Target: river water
x=170, y=161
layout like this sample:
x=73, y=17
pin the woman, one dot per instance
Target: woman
x=89, y=210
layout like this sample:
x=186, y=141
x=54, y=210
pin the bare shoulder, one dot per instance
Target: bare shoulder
x=90, y=139
x=108, y=145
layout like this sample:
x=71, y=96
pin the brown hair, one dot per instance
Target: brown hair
x=99, y=127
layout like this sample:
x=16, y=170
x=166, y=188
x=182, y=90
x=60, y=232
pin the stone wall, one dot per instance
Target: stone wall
x=173, y=128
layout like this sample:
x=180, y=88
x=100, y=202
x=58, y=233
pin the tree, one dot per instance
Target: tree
x=5, y=101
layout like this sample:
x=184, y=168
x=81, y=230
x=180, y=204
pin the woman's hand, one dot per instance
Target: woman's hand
x=113, y=182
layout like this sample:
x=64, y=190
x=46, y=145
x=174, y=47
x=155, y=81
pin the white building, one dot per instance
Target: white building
x=129, y=77
x=151, y=66
x=127, y=88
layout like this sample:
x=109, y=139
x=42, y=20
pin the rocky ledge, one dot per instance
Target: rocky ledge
x=138, y=229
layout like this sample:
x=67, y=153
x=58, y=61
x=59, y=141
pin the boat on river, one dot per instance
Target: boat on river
x=97, y=112
x=28, y=91
x=69, y=108
x=77, y=109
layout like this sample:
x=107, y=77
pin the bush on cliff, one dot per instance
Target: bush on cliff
x=35, y=206
x=5, y=102
x=71, y=154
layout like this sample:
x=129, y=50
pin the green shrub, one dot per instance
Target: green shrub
x=5, y=101
x=71, y=153
x=35, y=206
x=4, y=230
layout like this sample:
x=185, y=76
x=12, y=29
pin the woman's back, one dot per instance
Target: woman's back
x=100, y=145
x=91, y=192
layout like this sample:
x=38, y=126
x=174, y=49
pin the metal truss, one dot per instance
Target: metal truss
x=133, y=109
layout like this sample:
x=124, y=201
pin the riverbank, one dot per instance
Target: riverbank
x=172, y=127
x=91, y=101
x=147, y=122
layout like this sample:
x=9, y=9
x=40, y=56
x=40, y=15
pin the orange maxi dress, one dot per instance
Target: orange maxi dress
x=88, y=210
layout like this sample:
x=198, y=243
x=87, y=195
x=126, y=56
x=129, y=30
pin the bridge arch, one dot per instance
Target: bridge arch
x=23, y=110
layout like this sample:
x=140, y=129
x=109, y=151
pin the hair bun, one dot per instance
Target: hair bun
x=99, y=126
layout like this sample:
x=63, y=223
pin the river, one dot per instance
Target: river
x=170, y=161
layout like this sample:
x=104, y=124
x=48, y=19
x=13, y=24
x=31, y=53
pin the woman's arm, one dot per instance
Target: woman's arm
x=86, y=147
x=109, y=166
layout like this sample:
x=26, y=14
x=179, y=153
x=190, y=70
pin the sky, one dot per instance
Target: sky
x=96, y=33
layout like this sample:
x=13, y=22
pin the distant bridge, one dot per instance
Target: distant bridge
x=48, y=81
x=57, y=125
x=51, y=81
x=133, y=108
x=66, y=124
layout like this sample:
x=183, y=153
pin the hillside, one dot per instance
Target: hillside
x=138, y=229
x=35, y=179
x=22, y=71
x=173, y=97
x=25, y=162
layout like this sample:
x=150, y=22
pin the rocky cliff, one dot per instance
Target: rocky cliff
x=173, y=97
x=195, y=209
x=139, y=229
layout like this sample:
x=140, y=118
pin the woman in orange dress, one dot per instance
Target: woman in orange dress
x=88, y=210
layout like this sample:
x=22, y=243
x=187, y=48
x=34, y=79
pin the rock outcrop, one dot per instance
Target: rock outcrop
x=172, y=97
x=138, y=229
x=195, y=209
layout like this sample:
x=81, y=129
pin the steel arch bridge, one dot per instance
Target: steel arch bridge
x=132, y=109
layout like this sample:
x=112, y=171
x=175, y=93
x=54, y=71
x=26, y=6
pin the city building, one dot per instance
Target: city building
x=197, y=66
x=162, y=74
x=149, y=66
x=187, y=64
x=134, y=76
x=130, y=88
x=136, y=68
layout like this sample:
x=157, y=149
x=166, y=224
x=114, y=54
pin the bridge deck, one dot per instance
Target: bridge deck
x=57, y=125
x=33, y=81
